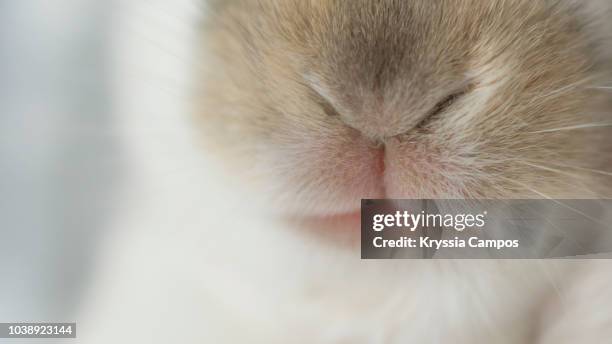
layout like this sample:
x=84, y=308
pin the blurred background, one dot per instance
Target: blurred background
x=59, y=161
x=83, y=83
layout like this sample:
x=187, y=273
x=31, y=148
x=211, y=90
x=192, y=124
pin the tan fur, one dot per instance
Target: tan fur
x=528, y=66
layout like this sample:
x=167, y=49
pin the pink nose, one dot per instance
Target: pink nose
x=376, y=127
x=380, y=160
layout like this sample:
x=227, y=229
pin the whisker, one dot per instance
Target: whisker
x=563, y=232
x=601, y=87
x=605, y=173
x=573, y=127
x=559, y=202
x=561, y=90
x=549, y=277
x=547, y=168
x=525, y=187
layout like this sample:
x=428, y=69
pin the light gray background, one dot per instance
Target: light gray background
x=59, y=164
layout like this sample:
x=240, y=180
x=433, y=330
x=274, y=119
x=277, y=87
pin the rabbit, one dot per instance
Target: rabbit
x=297, y=111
